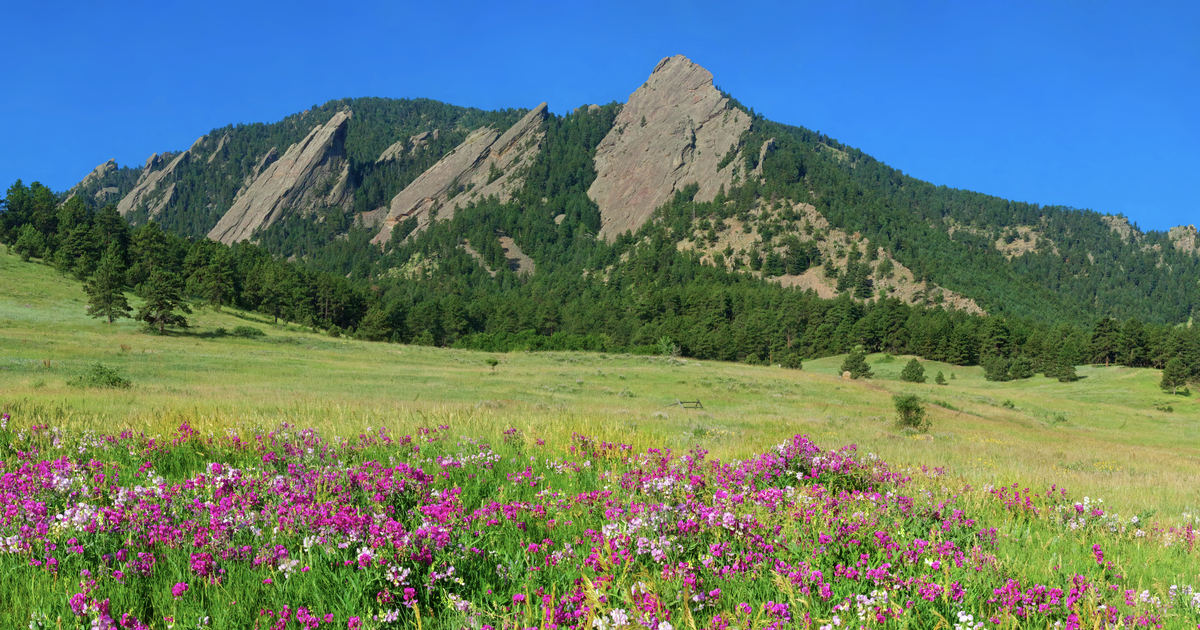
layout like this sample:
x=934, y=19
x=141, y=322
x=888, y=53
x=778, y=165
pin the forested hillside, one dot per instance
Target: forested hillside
x=814, y=248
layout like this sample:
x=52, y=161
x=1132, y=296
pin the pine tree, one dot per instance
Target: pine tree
x=214, y=281
x=162, y=294
x=914, y=372
x=856, y=365
x=106, y=289
x=1174, y=375
x=939, y=379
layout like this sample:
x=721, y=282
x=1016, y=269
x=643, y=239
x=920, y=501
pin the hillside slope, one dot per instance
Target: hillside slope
x=764, y=199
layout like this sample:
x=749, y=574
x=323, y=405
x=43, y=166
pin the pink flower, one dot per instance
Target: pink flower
x=355, y=623
x=179, y=589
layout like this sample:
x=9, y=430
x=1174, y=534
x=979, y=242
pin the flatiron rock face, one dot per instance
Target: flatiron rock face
x=312, y=172
x=672, y=132
x=465, y=172
x=97, y=174
x=149, y=183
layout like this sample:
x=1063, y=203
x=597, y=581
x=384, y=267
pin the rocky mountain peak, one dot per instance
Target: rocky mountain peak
x=97, y=174
x=1185, y=238
x=673, y=131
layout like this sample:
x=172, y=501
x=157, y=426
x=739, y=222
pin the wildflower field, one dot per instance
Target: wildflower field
x=297, y=481
x=287, y=528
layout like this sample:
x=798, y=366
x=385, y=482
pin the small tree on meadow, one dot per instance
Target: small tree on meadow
x=106, y=288
x=939, y=379
x=914, y=372
x=1174, y=376
x=162, y=294
x=856, y=365
x=910, y=413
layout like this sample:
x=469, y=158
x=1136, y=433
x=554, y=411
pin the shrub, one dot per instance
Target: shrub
x=913, y=372
x=939, y=379
x=247, y=332
x=336, y=331
x=791, y=360
x=910, y=413
x=101, y=376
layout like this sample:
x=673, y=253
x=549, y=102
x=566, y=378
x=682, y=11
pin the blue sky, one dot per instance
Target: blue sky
x=1088, y=104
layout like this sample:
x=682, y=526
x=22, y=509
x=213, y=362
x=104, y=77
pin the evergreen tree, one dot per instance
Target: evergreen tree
x=375, y=326
x=1131, y=345
x=214, y=281
x=1174, y=375
x=1022, y=367
x=914, y=372
x=162, y=297
x=996, y=368
x=30, y=243
x=106, y=289
x=939, y=379
x=856, y=364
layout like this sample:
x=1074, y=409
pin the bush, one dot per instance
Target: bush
x=335, y=331
x=101, y=376
x=939, y=379
x=791, y=360
x=247, y=332
x=910, y=413
x=913, y=372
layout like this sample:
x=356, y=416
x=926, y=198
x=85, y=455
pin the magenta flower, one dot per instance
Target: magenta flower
x=179, y=589
x=355, y=623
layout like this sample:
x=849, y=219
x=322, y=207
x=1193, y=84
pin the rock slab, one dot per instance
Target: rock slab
x=312, y=172
x=466, y=171
x=673, y=131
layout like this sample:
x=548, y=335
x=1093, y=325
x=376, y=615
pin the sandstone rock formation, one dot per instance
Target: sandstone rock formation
x=1184, y=237
x=217, y=151
x=672, y=132
x=417, y=141
x=148, y=184
x=311, y=172
x=470, y=170
x=98, y=173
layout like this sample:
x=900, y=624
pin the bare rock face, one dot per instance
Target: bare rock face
x=1184, y=237
x=311, y=172
x=397, y=149
x=1122, y=227
x=148, y=183
x=98, y=173
x=484, y=164
x=217, y=151
x=672, y=132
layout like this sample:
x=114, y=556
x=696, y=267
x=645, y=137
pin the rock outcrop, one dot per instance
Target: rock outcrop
x=417, y=141
x=312, y=172
x=1184, y=238
x=486, y=163
x=217, y=151
x=673, y=131
x=149, y=183
x=97, y=174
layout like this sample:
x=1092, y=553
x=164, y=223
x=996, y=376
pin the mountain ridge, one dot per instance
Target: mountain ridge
x=677, y=130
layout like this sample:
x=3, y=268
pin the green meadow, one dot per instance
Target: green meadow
x=1108, y=435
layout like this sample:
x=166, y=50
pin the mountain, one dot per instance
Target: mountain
x=356, y=186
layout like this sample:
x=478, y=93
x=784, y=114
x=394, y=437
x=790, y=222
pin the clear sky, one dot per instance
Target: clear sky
x=1088, y=104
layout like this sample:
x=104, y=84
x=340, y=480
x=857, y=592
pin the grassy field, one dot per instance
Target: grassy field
x=1102, y=436
x=229, y=512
